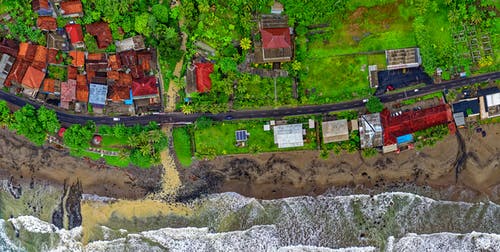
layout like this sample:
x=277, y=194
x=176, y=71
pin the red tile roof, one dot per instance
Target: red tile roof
x=113, y=75
x=78, y=58
x=276, y=38
x=117, y=92
x=144, y=60
x=72, y=71
x=27, y=51
x=203, y=81
x=96, y=57
x=75, y=33
x=72, y=7
x=33, y=78
x=46, y=23
x=68, y=91
x=17, y=72
x=40, y=59
x=145, y=86
x=49, y=85
x=40, y=4
x=102, y=33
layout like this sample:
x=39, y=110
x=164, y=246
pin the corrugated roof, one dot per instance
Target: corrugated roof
x=33, y=78
x=98, y=94
x=40, y=59
x=335, y=131
x=289, y=135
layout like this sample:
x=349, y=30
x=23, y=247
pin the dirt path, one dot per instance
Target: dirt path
x=173, y=87
x=170, y=180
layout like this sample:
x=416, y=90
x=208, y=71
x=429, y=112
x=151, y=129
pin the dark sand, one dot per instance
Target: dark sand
x=26, y=163
x=285, y=174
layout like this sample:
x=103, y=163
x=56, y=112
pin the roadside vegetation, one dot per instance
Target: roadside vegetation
x=430, y=136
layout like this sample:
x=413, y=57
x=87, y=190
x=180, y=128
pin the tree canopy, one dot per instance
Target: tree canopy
x=374, y=105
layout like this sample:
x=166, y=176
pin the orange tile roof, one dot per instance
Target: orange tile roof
x=17, y=72
x=33, y=78
x=96, y=57
x=90, y=75
x=82, y=92
x=144, y=60
x=72, y=7
x=102, y=33
x=48, y=85
x=118, y=93
x=78, y=58
x=46, y=23
x=125, y=79
x=40, y=59
x=81, y=79
x=27, y=51
x=113, y=75
x=114, y=62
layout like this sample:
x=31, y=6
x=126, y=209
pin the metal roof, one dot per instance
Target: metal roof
x=98, y=94
x=459, y=118
x=335, y=131
x=370, y=130
x=493, y=100
x=289, y=135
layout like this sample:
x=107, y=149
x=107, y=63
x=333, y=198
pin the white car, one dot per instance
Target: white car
x=116, y=119
x=365, y=100
x=416, y=90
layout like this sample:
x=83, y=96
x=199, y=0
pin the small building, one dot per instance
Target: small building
x=312, y=123
x=98, y=94
x=71, y=8
x=6, y=63
x=469, y=107
x=459, y=119
x=78, y=58
x=403, y=58
x=75, y=34
x=144, y=88
x=32, y=81
x=58, y=40
x=114, y=62
x=289, y=135
x=46, y=23
x=277, y=8
x=68, y=93
x=82, y=89
x=203, y=81
x=133, y=43
x=42, y=7
x=40, y=59
x=353, y=125
x=335, y=131
x=493, y=104
x=275, y=44
x=51, y=86
x=370, y=131
x=101, y=32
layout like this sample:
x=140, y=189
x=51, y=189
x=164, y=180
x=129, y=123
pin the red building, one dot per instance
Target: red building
x=203, y=81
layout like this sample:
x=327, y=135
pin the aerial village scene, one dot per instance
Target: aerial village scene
x=120, y=118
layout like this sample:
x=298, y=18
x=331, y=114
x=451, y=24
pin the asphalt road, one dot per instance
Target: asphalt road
x=176, y=117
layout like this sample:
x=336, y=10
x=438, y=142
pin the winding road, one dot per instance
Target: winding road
x=180, y=118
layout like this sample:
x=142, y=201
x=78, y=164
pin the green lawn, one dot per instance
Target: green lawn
x=111, y=142
x=182, y=145
x=219, y=139
x=110, y=160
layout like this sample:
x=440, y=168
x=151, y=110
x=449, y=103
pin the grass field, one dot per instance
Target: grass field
x=219, y=139
x=182, y=145
x=111, y=160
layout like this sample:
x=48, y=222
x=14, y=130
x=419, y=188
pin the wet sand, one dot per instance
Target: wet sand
x=27, y=164
x=285, y=174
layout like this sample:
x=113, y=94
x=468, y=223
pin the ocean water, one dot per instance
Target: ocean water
x=231, y=222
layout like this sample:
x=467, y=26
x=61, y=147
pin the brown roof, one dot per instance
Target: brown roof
x=40, y=60
x=46, y=23
x=90, y=75
x=125, y=79
x=52, y=57
x=117, y=92
x=78, y=58
x=82, y=89
x=27, y=51
x=17, y=72
x=96, y=57
x=9, y=47
x=114, y=62
x=102, y=33
x=72, y=71
x=40, y=4
x=113, y=75
x=33, y=78
x=144, y=60
x=72, y=7
x=128, y=58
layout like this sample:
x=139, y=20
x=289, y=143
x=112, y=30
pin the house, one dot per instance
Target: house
x=6, y=63
x=32, y=81
x=276, y=43
x=145, y=60
x=119, y=84
x=128, y=60
x=133, y=43
x=403, y=58
x=9, y=47
x=42, y=7
x=203, y=81
x=97, y=62
x=82, y=89
x=71, y=8
x=72, y=72
x=191, y=79
x=144, y=88
x=40, y=59
x=101, y=32
x=46, y=23
x=51, y=86
x=370, y=131
x=114, y=62
x=98, y=94
x=68, y=93
x=459, y=119
x=468, y=107
x=335, y=131
x=75, y=34
x=53, y=57
x=489, y=102
x=290, y=135
x=25, y=57
x=78, y=58
x=58, y=40
x=277, y=8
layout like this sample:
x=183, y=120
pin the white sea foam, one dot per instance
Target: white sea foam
x=446, y=242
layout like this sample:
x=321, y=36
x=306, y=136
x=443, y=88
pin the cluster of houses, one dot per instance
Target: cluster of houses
x=485, y=104
x=122, y=82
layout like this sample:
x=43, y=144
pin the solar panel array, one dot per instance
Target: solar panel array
x=241, y=135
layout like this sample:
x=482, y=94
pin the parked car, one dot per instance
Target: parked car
x=228, y=117
x=416, y=90
x=365, y=100
x=116, y=119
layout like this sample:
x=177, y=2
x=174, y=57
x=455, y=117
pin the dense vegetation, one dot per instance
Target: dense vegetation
x=34, y=124
x=430, y=136
x=22, y=23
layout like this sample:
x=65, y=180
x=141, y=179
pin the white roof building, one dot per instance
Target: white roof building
x=286, y=136
x=370, y=131
x=335, y=131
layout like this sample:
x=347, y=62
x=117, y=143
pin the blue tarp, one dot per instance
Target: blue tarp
x=405, y=139
x=131, y=101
